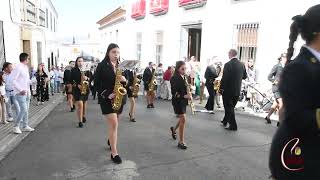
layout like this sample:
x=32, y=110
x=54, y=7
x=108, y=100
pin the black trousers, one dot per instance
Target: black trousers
x=229, y=103
x=212, y=93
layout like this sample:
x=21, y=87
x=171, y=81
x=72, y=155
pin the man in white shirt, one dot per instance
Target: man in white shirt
x=21, y=89
x=7, y=68
x=57, y=80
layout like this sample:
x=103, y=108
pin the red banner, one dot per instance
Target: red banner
x=139, y=9
x=189, y=4
x=159, y=7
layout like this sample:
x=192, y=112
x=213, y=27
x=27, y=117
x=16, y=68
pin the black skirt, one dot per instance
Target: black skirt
x=78, y=96
x=179, y=106
x=106, y=107
x=129, y=93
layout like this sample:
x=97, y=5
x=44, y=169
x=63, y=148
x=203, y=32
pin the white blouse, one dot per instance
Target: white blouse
x=3, y=90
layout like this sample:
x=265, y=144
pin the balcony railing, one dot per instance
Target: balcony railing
x=30, y=12
x=42, y=18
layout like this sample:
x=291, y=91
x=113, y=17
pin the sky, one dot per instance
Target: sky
x=79, y=17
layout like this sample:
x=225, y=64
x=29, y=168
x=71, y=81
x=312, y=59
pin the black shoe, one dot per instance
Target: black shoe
x=84, y=120
x=268, y=120
x=278, y=124
x=131, y=119
x=117, y=159
x=72, y=110
x=80, y=125
x=182, y=146
x=231, y=129
x=173, y=134
x=151, y=106
x=224, y=124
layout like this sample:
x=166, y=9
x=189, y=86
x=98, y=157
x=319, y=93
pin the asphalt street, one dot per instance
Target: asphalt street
x=60, y=150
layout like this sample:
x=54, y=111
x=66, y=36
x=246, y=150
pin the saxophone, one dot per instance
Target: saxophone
x=119, y=91
x=136, y=85
x=190, y=102
x=84, y=84
x=216, y=85
x=153, y=81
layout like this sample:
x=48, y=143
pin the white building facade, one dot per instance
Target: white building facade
x=30, y=26
x=168, y=30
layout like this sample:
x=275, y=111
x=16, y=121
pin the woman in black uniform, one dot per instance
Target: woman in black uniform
x=104, y=82
x=129, y=74
x=295, y=149
x=80, y=99
x=41, y=77
x=179, y=101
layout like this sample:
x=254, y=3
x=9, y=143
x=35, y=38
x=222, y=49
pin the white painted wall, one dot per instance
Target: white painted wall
x=218, y=18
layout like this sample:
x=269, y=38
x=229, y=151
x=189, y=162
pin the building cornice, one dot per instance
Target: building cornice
x=116, y=14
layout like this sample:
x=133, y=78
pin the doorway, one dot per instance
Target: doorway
x=27, y=49
x=190, y=41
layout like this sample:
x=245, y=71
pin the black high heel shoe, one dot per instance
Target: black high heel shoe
x=173, y=133
x=268, y=120
x=116, y=159
x=131, y=119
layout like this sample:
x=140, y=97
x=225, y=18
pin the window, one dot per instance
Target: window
x=139, y=45
x=42, y=18
x=31, y=12
x=245, y=40
x=54, y=24
x=47, y=22
x=2, y=48
x=159, y=46
x=51, y=21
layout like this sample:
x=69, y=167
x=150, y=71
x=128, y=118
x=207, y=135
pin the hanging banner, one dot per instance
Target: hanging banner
x=139, y=9
x=190, y=4
x=159, y=7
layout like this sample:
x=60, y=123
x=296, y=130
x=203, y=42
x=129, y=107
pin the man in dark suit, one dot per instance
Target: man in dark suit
x=233, y=74
x=210, y=75
x=147, y=77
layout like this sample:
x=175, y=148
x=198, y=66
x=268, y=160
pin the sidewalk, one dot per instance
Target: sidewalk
x=8, y=140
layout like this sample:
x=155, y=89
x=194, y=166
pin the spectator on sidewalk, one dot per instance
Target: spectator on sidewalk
x=3, y=98
x=251, y=82
x=166, y=88
x=52, y=77
x=41, y=77
x=274, y=78
x=32, y=76
x=159, y=78
x=57, y=80
x=21, y=83
x=7, y=69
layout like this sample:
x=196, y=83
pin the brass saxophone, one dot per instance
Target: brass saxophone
x=119, y=91
x=84, y=84
x=216, y=85
x=190, y=102
x=136, y=85
x=153, y=81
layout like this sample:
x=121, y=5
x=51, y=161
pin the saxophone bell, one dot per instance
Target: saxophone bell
x=122, y=91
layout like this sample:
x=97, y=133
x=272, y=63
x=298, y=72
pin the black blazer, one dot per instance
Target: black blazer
x=104, y=79
x=147, y=75
x=210, y=75
x=178, y=88
x=299, y=88
x=67, y=77
x=129, y=76
x=76, y=76
x=233, y=74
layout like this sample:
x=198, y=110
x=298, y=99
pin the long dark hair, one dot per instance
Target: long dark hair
x=1, y=78
x=178, y=65
x=308, y=25
x=110, y=47
x=76, y=63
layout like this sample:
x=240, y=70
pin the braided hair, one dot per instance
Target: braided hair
x=308, y=25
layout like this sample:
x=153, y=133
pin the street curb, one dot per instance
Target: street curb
x=11, y=141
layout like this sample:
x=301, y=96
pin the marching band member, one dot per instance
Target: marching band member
x=148, y=75
x=179, y=101
x=210, y=75
x=80, y=90
x=299, y=88
x=131, y=96
x=104, y=81
x=68, y=82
